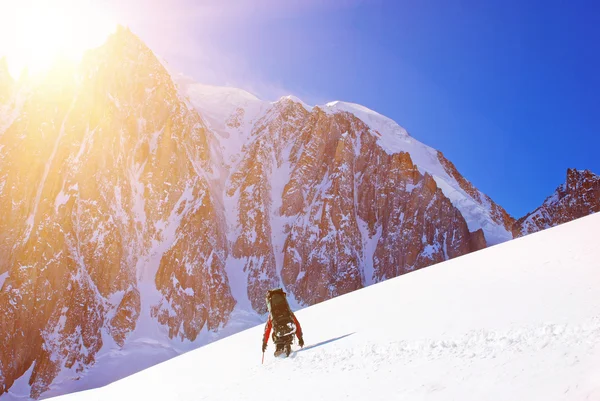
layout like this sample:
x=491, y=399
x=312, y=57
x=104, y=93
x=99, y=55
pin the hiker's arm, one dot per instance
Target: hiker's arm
x=267, y=331
x=298, y=328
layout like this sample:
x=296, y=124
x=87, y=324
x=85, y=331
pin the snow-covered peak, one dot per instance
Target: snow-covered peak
x=229, y=94
x=394, y=139
x=374, y=120
x=390, y=135
x=218, y=103
x=294, y=99
x=232, y=113
x=229, y=112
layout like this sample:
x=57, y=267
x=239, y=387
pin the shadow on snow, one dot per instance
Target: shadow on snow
x=324, y=342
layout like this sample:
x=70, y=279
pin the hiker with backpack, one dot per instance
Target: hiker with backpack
x=283, y=322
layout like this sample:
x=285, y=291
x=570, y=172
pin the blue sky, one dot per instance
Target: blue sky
x=507, y=90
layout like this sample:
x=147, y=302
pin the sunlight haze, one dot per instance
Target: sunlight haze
x=34, y=34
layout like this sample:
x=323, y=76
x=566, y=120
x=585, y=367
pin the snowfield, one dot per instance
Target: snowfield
x=518, y=321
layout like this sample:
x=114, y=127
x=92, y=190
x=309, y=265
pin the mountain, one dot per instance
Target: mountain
x=334, y=197
x=579, y=196
x=145, y=215
x=518, y=321
x=109, y=220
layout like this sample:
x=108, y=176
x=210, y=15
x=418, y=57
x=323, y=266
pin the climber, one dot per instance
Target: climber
x=283, y=322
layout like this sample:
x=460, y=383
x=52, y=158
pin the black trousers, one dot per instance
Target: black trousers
x=280, y=342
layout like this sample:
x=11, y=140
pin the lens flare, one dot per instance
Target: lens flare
x=34, y=34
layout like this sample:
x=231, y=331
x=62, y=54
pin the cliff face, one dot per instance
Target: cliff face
x=321, y=203
x=579, y=196
x=103, y=189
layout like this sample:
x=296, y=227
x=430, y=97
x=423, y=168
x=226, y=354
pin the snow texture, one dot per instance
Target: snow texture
x=20, y=389
x=519, y=321
x=229, y=112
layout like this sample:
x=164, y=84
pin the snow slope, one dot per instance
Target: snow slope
x=519, y=321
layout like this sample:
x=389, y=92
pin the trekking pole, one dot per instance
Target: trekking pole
x=263, y=359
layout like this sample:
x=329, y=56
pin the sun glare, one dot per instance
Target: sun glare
x=34, y=34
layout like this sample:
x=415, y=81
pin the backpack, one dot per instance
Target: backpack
x=281, y=314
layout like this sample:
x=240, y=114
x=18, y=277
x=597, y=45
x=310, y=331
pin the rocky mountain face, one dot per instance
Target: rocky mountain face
x=579, y=196
x=104, y=188
x=316, y=191
x=140, y=206
x=327, y=199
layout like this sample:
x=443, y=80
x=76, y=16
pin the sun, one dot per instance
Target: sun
x=34, y=34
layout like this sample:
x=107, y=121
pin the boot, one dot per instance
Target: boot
x=279, y=349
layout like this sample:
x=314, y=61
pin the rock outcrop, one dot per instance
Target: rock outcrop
x=579, y=196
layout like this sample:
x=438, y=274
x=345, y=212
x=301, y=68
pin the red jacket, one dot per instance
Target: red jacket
x=269, y=326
